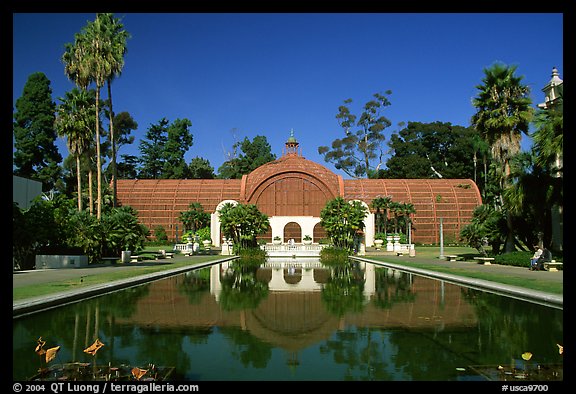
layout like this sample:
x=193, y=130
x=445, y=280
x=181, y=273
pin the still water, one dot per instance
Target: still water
x=297, y=320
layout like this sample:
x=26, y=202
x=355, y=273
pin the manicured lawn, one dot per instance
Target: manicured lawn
x=41, y=289
x=424, y=254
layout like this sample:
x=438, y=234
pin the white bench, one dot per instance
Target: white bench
x=451, y=257
x=552, y=266
x=484, y=260
x=135, y=258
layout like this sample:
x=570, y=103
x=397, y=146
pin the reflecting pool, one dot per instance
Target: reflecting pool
x=297, y=319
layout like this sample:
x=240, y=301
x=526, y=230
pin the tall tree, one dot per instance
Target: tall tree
x=152, y=150
x=431, y=150
x=115, y=37
x=254, y=154
x=200, y=168
x=179, y=141
x=503, y=114
x=124, y=124
x=95, y=58
x=164, y=148
x=355, y=153
x=74, y=121
x=36, y=155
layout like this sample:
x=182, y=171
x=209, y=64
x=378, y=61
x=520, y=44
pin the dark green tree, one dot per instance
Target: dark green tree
x=242, y=223
x=200, y=168
x=356, y=152
x=343, y=220
x=178, y=143
x=152, y=149
x=431, y=150
x=35, y=153
x=124, y=124
x=163, y=150
x=128, y=167
x=254, y=154
x=195, y=217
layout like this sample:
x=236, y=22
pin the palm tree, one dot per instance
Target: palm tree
x=74, y=120
x=115, y=37
x=77, y=71
x=381, y=205
x=406, y=209
x=548, y=149
x=504, y=112
x=395, y=208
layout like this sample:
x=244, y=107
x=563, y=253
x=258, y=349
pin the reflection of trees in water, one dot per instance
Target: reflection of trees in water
x=392, y=287
x=247, y=348
x=343, y=292
x=75, y=327
x=240, y=287
x=195, y=284
x=506, y=326
x=365, y=353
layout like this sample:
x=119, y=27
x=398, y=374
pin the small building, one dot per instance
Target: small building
x=293, y=190
x=24, y=191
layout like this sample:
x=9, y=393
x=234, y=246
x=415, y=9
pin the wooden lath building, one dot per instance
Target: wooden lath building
x=293, y=190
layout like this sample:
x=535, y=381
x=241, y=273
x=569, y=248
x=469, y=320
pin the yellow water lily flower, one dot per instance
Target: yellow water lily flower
x=526, y=356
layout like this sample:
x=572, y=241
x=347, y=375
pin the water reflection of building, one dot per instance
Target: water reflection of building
x=298, y=318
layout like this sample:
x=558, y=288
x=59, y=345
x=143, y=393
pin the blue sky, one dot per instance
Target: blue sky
x=241, y=75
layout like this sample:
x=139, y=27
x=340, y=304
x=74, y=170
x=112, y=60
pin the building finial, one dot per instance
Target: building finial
x=292, y=145
x=292, y=139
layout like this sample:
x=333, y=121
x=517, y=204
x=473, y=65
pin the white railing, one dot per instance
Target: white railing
x=295, y=263
x=292, y=250
x=184, y=247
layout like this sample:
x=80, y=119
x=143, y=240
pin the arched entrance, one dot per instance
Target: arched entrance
x=292, y=230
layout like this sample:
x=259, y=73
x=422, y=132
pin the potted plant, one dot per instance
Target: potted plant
x=204, y=236
x=307, y=240
x=276, y=240
x=379, y=240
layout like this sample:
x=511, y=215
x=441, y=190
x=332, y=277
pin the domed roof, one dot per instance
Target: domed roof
x=291, y=164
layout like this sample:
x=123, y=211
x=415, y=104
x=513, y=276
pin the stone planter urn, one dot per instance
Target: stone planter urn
x=389, y=244
x=276, y=241
x=378, y=243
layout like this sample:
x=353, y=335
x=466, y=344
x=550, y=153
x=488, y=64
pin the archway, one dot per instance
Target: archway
x=292, y=230
x=215, y=227
x=319, y=233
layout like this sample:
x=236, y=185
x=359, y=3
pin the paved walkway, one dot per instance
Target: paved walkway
x=32, y=277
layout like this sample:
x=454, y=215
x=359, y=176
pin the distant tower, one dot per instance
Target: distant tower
x=553, y=92
x=291, y=148
x=554, y=97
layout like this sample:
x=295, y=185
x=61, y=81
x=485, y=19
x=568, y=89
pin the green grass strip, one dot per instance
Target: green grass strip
x=42, y=289
x=527, y=283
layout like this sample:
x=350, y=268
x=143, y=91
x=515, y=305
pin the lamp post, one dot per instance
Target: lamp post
x=441, y=239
